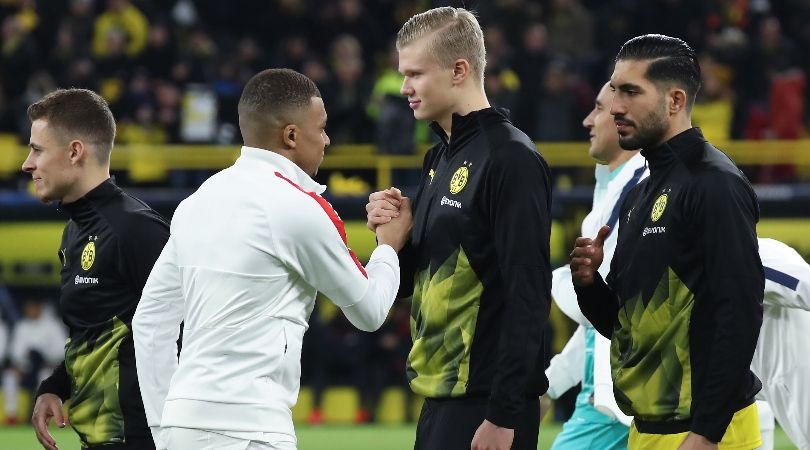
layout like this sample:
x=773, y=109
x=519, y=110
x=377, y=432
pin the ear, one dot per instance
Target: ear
x=289, y=135
x=677, y=101
x=76, y=151
x=461, y=70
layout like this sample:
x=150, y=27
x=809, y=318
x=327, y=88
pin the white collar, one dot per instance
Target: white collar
x=621, y=174
x=282, y=165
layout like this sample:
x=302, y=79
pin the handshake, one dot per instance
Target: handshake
x=390, y=217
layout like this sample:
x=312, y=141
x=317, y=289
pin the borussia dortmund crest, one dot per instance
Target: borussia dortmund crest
x=459, y=180
x=659, y=207
x=88, y=255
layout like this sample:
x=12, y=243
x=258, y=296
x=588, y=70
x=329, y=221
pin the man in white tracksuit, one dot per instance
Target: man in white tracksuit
x=597, y=422
x=247, y=254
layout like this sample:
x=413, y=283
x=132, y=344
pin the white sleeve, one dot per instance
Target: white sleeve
x=787, y=275
x=155, y=329
x=567, y=367
x=315, y=247
x=54, y=348
x=18, y=346
x=369, y=313
x=3, y=340
x=603, y=398
x=562, y=291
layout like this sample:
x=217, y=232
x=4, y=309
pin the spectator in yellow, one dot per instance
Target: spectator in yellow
x=121, y=14
x=144, y=130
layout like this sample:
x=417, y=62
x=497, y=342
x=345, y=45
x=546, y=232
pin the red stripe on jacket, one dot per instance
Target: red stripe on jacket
x=333, y=216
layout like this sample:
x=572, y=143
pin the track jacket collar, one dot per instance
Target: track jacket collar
x=84, y=206
x=278, y=163
x=685, y=147
x=462, y=128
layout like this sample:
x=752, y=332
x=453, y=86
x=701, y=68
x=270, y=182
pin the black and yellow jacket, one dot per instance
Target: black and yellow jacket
x=683, y=300
x=479, y=263
x=108, y=249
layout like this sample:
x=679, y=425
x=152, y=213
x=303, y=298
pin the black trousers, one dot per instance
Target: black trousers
x=450, y=424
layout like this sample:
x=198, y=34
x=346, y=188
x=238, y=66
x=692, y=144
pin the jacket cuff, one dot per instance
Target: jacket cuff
x=712, y=430
x=551, y=392
x=49, y=387
x=502, y=417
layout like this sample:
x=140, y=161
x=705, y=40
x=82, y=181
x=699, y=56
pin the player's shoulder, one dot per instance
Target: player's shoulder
x=290, y=191
x=720, y=177
x=516, y=154
x=301, y=210
x=505, y=142
x=714, y=166
x=715, y=172
x=500, y=131
x=130, y=218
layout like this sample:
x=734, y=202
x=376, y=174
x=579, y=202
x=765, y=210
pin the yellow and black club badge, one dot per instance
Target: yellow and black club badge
x=88, y=255
x=459, y=180
x=658, y=207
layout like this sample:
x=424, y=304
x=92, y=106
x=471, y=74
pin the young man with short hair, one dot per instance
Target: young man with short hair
x=683, y=300
x=108, y=248
x=477, y=264
x=248, y=252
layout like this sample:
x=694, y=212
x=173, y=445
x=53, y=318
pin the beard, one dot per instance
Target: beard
x=650, y=131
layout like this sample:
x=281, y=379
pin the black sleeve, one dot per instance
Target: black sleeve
x=407, y=269
x=599, y=304
x=144, y=238
x=727, y=212
x=516, y=199
x=57, y=383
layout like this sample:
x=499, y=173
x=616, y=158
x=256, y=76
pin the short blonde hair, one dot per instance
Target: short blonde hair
x=454, y=33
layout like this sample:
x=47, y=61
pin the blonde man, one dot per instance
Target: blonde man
x=477, y=263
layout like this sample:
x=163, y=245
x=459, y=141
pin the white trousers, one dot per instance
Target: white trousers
x=781, y=362
x=192, y=439
x=766, y=425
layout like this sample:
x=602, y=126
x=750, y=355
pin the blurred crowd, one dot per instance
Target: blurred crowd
x=173, y=70
x=32, y=342
x=336, y=353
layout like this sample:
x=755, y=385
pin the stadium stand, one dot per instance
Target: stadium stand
x=173, y=71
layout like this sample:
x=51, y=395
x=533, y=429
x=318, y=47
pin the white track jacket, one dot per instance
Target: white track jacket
x=248, y=252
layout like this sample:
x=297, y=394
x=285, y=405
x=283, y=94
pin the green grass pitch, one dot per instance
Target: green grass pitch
x=361, y=437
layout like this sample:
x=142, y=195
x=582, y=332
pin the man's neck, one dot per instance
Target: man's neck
x=678, y=126
x=85, y=184
x=469, y=100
